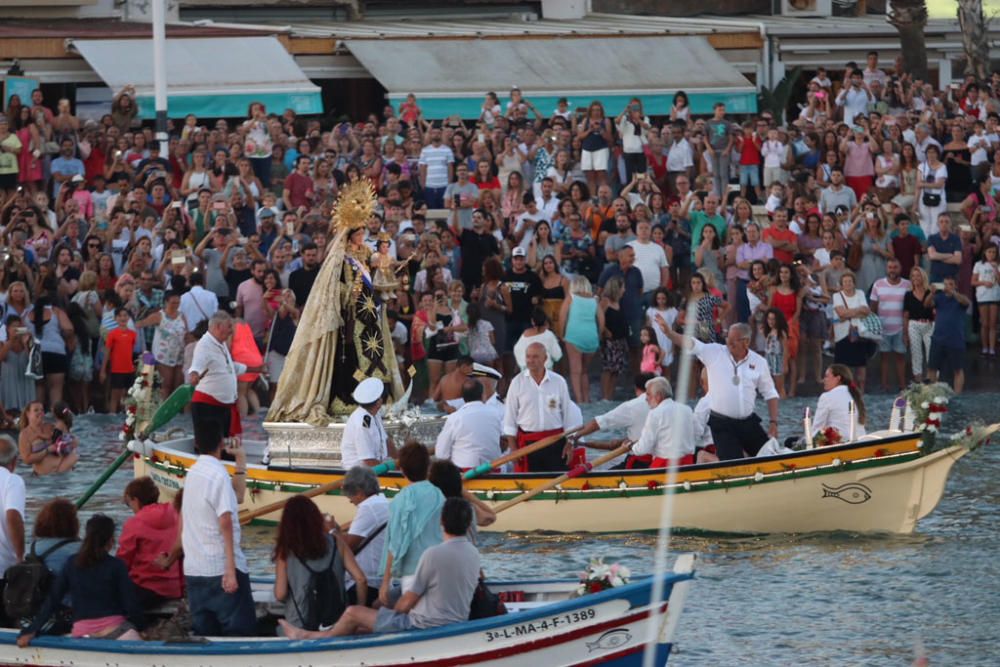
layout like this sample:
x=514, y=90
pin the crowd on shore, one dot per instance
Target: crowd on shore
x=582, y=226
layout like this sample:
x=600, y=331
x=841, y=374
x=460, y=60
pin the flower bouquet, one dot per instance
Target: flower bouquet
x=600, y=577
x=926, y=404
x=142, y=399
x=826, y=437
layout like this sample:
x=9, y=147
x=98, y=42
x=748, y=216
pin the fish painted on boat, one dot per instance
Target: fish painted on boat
x=853, y=493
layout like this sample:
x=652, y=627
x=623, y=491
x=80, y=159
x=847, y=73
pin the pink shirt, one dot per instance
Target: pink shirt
x=250, y=296
x=890, y=303
x=859, y=160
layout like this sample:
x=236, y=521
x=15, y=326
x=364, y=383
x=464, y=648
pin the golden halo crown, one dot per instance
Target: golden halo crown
x=355, y=206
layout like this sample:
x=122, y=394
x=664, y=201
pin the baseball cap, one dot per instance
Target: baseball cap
x=519, y=252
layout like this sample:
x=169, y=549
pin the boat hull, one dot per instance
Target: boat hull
x=881, y=485
x=609, y=628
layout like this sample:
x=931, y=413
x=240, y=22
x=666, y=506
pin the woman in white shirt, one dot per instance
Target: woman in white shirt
x=931, y=179
x=834, y=407
x=850, y=349
x=538, y=332
x=986, y=280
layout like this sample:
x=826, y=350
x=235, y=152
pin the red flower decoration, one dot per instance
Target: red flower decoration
x=595, y=587
x=879, y=453
x=585, y=486
x=652, y=484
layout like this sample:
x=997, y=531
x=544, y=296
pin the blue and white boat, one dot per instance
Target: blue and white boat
x=545, y=626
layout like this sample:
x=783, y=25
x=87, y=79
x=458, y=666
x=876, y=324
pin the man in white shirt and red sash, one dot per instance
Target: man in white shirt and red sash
x=213, y=373
x=537, y=406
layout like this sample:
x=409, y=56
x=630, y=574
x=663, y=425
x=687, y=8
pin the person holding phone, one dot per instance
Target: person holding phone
x=461, y=198
x=948, y=340
x=632, y=126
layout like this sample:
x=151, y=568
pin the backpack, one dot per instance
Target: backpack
x=325, y=599
x=28, y=583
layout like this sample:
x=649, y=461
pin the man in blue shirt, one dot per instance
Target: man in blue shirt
x=66, y=166
x=948, y=340
x=944, y=249
x=631, y=301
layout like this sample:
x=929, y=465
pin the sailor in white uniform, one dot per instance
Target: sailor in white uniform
x=365, y=441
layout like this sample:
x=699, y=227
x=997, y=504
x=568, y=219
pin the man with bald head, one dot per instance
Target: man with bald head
x=537, y=406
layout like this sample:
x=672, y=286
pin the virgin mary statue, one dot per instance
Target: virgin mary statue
x=343, y=334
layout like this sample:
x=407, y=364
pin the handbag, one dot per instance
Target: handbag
x=870, y=327
x=485, y=603
x=854, y=255
x=34, y=367
x=931, y=199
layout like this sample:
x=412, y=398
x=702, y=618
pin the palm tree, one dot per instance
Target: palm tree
x=910, y=18
x=974, y=39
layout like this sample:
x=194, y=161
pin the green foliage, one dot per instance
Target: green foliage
x=777, y=99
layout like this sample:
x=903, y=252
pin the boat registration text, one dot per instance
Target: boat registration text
x=541, y=625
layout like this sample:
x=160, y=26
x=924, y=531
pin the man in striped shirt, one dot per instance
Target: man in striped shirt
x=436, y=169
x=887, y=301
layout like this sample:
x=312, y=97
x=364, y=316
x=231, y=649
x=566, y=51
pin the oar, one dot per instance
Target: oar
x=170, y=407
x=485, y=468
x=575, y=472
x=249, y=515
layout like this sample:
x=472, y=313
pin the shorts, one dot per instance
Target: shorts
x=387, y=620
x=614, y=355
x=946, y=359
x=54, y=363
x=750, y=175
x=773, y=175
x=892, y=343
x=122, y=380
x=594, y=160
x=8, y=181
x=444, y=353
x=275, y=364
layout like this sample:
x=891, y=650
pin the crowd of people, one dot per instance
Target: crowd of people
x=409, y=563
x=580, y=227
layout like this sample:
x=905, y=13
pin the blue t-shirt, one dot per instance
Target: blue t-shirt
x=949, y=321
x=941, y=270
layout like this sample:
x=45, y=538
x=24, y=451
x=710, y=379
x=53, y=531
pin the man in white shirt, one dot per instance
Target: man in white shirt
x=855, y=98
x=537, y=407
x=213, y=374
x=629, y=416
x=546, y=201
x=198, y=304
x=365, y=441
x=215, y=568
x=12, y=497
x=680, y=155
x=872, y=73
x=669, y=429
x=736, y=374
x=471, y=434
x=651, y=260
x=366, y=534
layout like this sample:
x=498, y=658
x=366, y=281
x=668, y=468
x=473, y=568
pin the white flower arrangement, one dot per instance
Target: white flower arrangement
x=758, y=476
x=687, y=485
x=623, y=485
x=599, y=577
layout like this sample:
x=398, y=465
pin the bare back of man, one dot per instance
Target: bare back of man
x=447, y=396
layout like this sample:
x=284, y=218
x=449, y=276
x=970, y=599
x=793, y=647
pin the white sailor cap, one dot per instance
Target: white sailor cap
x=368, y=391
x=484, y=371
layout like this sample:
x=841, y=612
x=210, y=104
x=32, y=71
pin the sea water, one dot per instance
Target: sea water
x=823, y=599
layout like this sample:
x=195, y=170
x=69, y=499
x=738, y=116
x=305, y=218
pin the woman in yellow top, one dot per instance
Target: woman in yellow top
x=10, y=149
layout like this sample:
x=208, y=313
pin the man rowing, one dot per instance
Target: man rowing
x=630, y=416
x=736, y=374
x=669, y=429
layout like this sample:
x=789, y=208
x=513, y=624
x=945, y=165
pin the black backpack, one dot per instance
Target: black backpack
x=325, y=598
x=28, y=583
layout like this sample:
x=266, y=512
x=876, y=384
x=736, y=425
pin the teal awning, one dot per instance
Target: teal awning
x=451, y=76
x=206, y=76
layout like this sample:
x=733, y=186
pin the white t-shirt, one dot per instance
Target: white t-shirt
x=548, y=339
x=670, y=317
x=630, y=417
x=372, y=513
x=11, y=498
x=737, y=397
x=986, y=271
x=208, y=494
x=649, y=259
x=841, y=328
x=470, y=436
x=436, y=159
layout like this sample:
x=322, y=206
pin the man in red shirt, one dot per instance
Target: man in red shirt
x=906, y=247
x=784, y=241
x=750, y=160
x=298, y=185
x=120, y=343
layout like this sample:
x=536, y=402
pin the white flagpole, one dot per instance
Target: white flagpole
x=160, y=73
x=657, y=631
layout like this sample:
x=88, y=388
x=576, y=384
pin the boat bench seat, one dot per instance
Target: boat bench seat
x=514, y=607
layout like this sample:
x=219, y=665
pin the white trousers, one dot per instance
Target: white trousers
x=920, y=345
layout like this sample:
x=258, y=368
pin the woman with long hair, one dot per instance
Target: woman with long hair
x=581, y=320
x=495, y=301
x=196, y=177
x=812, y=323
x=875, y=245
x=930, y=193
x=614, y=337
x=538, y=332
x=776, y=347
x=594, y=132
x=834, y=407
x=918, y=322
x=304, y=547
x=736, y=239
x=50, y=324
x=509, y=161
x=986, y=280
x=512, y=203
x=168, y=341
x=555, y=288
x=708, y=257
x=908, y=171
x=483, y=177
x=100, y=591
x=786, y=295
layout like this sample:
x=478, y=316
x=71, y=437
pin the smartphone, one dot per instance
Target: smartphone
x=458, y=200
x=938, y=286
x=175, y=204
x=289, y=229
x=219, y=206
x=177, y=257
x=21, y=331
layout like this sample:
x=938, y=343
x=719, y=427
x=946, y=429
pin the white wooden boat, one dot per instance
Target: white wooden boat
x=884, y=482
x=546, y=626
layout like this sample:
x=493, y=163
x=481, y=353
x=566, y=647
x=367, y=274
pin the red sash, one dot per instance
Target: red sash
x=685, y=460
x=524, y=439
x=235, y=425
